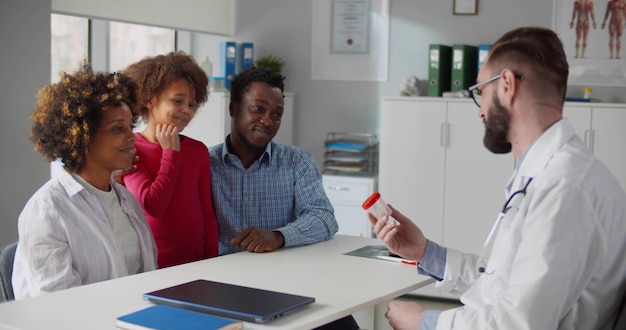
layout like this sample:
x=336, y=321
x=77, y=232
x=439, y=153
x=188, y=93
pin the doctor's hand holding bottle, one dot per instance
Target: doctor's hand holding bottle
x=403, y=237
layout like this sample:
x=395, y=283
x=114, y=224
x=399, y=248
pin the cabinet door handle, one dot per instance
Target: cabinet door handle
x=338, y=188
x=444, y=130
x=592, y=142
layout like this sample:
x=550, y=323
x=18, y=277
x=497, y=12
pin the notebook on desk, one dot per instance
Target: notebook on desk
x=228, y=300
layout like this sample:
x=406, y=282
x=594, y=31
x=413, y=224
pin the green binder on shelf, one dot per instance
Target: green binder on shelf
x=464, y=59
x=439, y=66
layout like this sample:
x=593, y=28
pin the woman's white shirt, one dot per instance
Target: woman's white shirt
x=66, y=239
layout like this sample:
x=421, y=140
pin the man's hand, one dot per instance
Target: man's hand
x=258, y=240
x=403, y=238
x=118, y=174
x=404, y=315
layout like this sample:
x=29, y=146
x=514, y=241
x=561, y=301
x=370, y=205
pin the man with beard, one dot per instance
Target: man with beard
x=554, y=257
x=267, y=195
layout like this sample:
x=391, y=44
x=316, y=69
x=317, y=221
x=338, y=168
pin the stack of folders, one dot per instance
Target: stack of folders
x=235, y=58
x=164, y=317
x=454, y=68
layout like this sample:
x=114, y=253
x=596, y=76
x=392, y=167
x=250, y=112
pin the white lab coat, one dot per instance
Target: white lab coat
x=557, y=258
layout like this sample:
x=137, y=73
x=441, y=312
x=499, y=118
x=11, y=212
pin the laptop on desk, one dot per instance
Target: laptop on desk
x=228, y=300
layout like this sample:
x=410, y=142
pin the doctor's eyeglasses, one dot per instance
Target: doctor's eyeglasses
x=477, y=94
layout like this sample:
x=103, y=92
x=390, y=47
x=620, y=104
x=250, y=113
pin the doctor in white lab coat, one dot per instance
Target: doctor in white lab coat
x=554, y=257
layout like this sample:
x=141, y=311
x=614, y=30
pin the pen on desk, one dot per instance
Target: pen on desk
x=396, y=259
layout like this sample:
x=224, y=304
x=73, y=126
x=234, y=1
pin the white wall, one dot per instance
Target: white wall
x=25, y=67
x=217, y=16
x=284, y=28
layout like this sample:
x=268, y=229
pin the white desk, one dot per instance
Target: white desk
x=341, y=285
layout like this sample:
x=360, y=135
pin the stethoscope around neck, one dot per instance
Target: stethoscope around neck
x=488, y=246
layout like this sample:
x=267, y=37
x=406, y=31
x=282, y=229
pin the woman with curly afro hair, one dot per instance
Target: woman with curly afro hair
x=172, y=179
x=82, y=227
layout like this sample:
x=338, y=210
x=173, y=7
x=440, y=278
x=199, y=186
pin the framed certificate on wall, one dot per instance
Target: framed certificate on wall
x=350, y=40
x=350, y=26
x=465, y=7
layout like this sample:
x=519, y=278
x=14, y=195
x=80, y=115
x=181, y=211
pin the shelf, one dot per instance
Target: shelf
x=351, y=153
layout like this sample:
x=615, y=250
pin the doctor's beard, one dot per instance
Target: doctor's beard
x=497, y=128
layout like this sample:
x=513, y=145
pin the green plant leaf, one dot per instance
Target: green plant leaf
x=270, y=61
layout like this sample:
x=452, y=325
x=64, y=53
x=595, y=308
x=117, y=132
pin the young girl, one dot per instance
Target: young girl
x=172, y=180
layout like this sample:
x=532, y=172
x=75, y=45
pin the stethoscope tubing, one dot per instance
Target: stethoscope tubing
x=505, y=208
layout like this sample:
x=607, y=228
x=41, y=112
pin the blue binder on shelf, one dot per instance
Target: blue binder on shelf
x=246, y=55
x=228, y=61
x=483, y=51
x=464, y=59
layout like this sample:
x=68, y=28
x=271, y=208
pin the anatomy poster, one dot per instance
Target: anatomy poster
x=592, y=33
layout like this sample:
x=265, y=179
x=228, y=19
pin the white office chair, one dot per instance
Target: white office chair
x=7, y=254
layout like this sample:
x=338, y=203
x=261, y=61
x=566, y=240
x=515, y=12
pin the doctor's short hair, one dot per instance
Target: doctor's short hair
x=241, y=81
x=535, y=49
x=69, y=113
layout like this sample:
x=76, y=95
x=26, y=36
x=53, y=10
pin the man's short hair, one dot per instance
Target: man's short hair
x=243, y=79
x=537, y=48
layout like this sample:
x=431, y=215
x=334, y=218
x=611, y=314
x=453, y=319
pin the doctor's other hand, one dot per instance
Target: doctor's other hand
x=402, y=237
x=404, y=315
x=118, y=174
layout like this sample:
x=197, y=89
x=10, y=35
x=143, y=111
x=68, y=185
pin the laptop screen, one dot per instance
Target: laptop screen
x=234, y=301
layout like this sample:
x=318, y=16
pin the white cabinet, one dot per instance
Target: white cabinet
x=212, y=121
x=436, y=171
x=346, y=194
x=474, y=180
x=603, y=127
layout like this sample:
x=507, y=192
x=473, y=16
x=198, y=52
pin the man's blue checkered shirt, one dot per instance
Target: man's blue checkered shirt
x=281, y=191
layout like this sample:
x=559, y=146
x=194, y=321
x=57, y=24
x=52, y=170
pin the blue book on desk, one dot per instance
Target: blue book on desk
x=165, y=317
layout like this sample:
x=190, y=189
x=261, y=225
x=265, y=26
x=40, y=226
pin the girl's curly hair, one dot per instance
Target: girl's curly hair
x=69, y=113
x=154, y=74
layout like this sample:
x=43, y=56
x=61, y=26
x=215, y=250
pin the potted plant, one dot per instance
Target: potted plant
x=270, y=61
